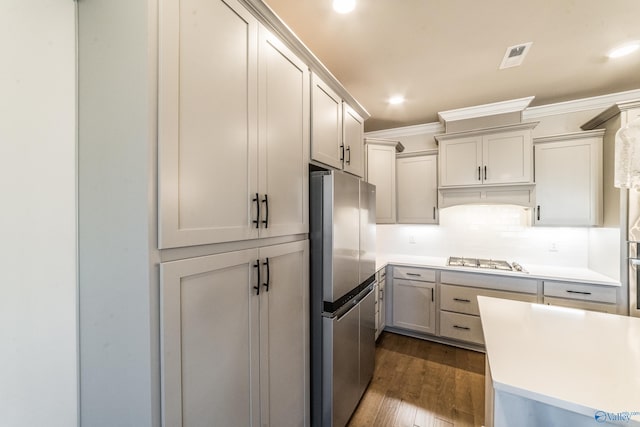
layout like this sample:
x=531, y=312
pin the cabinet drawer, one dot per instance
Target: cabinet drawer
x=410, y=273
x=491, y=281
x=464, y=300
x=461, y=327
x=584, y=305
x=579, y=291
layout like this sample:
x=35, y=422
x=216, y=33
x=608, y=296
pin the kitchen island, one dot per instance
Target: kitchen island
x=556, y=366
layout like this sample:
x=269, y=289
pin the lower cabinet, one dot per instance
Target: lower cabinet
x=581, y=295
x=234, y=337
x=414, y=305
x=381, y=277
x=459, y=312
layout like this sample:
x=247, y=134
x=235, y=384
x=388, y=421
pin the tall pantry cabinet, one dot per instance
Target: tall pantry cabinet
x=193, y=127
x=233, y=151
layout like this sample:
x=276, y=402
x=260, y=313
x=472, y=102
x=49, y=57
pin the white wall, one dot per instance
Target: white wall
x=499, y=232
x=38, y=376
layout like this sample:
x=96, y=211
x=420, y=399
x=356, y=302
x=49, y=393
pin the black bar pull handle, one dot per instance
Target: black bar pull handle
x=257, y=220
x=268, y=282
x=265, y=221
x=485, y=173
x=257, y=287
x=461, y=300
x=578, y=292
x=434, y=212
x=462, y=327
x=341, y=152
x=349, y=153
x=432, y=299
x=538, y=210
x=479, y=176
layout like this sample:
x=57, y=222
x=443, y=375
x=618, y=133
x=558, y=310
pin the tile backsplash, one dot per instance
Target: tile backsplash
x=496, y=231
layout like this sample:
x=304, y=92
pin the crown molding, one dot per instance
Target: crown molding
x=276, y=25
x=434, y=127
x=599, y=133
x=510, y=106
x=583, y=104
x=484, y=131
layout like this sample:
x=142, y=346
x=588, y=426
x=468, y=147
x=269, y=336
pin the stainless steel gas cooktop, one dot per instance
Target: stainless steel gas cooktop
x=494, y=264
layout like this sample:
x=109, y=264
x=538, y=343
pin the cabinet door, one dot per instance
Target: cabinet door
x=507, y=158
x=417, y=188
x=353, y=142
x=284, y=335
x=283, y=139
x=207, y=122
x=414, y=305
x=381, y=172
x=209, y=341
x=568, y=183
x=460, y=161
x=382, y=302
x=326, y=124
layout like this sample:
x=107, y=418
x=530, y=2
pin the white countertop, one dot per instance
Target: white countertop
x=542, y=272
x=576, y=360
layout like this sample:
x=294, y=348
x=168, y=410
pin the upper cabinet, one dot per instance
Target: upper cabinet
x=337, y=131
x=326, y=125
x=568, y=172
x=232, y=128
x=353, y=142
x=417, y=188
x=493, y=156
x=381, y=172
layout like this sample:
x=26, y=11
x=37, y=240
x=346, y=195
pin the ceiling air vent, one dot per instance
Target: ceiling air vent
x=515, y=55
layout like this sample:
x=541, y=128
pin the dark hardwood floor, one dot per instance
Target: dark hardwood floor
x=418, y=383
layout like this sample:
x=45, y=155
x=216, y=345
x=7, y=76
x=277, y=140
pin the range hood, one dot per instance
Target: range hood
x=518, y=195
x=486, y=156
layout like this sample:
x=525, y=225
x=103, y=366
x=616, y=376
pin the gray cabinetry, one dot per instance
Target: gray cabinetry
x=337, y=131
x=581, y=295
x=494, y=156
x=233, y=328
x=233, y=127
x=413, y=300
x=417, y=188
x=568, y=173
x=381, y=172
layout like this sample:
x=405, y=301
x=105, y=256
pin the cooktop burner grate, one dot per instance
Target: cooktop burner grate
x=479, y=263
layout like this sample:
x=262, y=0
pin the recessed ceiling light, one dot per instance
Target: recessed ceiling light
x=344, y=6
x=396, y=100
x=623, y=50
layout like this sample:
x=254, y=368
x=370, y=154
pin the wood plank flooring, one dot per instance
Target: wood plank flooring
x=419, y=383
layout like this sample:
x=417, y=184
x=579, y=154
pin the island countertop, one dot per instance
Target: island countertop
x=584, y=362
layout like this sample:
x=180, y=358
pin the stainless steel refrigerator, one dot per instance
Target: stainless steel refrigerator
x=342, y=235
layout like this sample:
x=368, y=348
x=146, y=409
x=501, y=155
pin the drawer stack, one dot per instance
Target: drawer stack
x=459, y=313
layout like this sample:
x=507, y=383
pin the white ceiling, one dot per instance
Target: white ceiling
x=445, y=54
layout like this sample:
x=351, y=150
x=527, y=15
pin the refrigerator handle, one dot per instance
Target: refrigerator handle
x=257, y=287
x=266, y=263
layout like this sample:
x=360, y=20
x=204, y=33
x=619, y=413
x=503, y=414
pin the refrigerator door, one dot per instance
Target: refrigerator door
x=341, y=375
x=367, y=338
x=341, y=205
x=367, y=231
